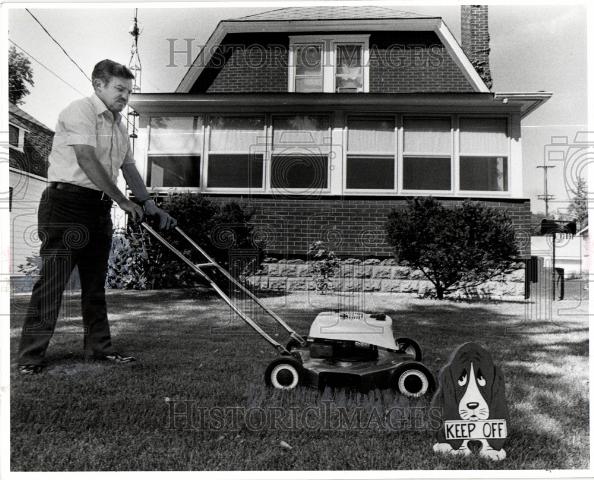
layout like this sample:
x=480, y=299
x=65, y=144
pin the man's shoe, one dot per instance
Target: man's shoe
x=30, y=369
x=115, y=357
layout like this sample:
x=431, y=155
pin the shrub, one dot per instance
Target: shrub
x=214, y=228
x=324, y=265
x=454, y=247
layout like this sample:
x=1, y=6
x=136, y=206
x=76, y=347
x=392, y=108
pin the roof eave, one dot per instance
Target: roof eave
x=528, y=101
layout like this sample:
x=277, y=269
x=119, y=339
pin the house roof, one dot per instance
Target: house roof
x=332, y=19
x=329, y=13
x=14, y=111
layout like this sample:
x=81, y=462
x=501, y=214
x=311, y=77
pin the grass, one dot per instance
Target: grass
x=193, y=354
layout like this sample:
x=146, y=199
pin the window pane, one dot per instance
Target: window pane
x=349, y=68
x=427, y=135
x=483, y=136
x=426, y=173
x=483, y=173
x=13, y=135
x=309, y=84
x=176, y=135
x=236, y=134
x=235, y=171
x=369, y=135
x=301, y=135
x=308, y=60
x=174, y=171
x=370, y=172
x=299, y=171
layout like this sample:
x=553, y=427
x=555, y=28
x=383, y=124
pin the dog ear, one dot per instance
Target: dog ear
x=498, y=404
x=445, y=402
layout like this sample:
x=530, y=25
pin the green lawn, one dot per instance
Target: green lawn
x=194, y=354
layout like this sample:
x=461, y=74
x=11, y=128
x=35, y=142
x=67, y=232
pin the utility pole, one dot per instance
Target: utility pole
x=546, y=197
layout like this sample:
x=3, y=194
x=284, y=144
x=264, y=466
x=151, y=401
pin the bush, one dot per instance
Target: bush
x=139, y=260
x=323, y=266
x=454, y=247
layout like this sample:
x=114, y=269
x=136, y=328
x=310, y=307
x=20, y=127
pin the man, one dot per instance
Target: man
x=74, y=222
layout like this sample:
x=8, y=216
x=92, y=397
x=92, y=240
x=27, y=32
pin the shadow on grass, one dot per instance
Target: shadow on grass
x=103, y=417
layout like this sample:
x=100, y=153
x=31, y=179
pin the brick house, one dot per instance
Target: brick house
x=30, y=143
x=324, y=119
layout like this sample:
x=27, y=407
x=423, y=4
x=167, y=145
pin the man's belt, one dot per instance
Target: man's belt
x=83, y=191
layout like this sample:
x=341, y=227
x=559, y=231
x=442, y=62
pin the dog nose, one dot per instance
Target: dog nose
x=472, y=405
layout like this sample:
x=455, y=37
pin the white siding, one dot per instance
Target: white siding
x=26, y=193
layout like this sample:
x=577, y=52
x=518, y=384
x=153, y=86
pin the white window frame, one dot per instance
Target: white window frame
x=402, y=154
x=347, y=152
x=206, y=150
x=270, y=152
x=328, y=54
x=21, y=141
x=459, y=154
x=201, y=184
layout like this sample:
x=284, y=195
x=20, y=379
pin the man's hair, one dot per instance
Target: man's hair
x=106, y=69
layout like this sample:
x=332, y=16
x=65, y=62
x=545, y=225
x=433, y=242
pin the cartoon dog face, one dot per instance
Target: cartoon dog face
x=470, y=388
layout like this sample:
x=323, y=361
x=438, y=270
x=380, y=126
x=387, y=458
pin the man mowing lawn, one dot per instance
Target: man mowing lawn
x=74, y=221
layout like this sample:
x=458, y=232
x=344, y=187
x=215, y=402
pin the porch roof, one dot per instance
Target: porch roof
x=161, y=103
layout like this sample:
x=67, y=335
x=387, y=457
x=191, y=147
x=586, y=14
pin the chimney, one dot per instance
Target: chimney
x=475, y=39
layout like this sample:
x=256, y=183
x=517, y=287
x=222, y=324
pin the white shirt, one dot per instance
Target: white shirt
x=88, y=122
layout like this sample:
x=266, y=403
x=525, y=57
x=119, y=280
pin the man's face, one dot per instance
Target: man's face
x=115, y=93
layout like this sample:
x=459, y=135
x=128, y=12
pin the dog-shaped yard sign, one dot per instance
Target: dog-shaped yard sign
x=471, y=404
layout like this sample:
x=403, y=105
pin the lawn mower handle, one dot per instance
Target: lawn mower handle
x=212, y=263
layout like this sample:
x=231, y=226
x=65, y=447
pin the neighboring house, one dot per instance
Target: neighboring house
x=326, y=118
x=30, y=143
x=572, y=253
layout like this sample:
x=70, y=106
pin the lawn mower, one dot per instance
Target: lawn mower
x=343, y=349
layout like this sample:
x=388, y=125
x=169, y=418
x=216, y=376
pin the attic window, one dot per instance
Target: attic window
x=327, y=64
x=16, y=137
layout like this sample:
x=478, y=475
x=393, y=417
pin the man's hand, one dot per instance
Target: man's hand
x=166, y=221
x=132, y=209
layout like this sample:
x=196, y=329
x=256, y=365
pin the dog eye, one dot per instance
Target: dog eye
x=480, y=379
x=463, y=379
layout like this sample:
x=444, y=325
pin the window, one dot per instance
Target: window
x=309, y=76
x=16, y=137
x=484, y=147
x=300, y=149
x=427, y=155
x=175, y=149
x=371, y=148
x=349, y=68
x=236, y=152
x=323, y=63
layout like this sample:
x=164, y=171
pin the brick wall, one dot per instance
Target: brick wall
x=474, y=29
x=36, y=148
x=399, y=63
x=352, y=225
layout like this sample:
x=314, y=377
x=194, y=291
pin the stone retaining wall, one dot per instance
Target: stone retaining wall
x=376, y=276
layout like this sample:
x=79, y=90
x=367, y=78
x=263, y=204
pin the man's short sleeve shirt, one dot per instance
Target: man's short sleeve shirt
x=88, y=122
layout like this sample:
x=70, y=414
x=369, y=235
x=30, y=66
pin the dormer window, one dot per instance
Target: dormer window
x=16, y=137
x=324, y=63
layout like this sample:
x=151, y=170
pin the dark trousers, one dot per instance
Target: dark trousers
x=74, y=231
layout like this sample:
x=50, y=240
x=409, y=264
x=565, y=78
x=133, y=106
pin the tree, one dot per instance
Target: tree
x=454, y=247
x=578, y=208
x=20, y=74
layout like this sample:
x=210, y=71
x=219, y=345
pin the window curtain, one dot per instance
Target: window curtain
x=237, y=134
x=483, y=136
x=371, y=135
x=301, y=133
x=175, y=135
x=427, y=136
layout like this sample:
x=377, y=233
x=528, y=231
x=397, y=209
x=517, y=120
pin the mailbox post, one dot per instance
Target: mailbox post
x=554, y=227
